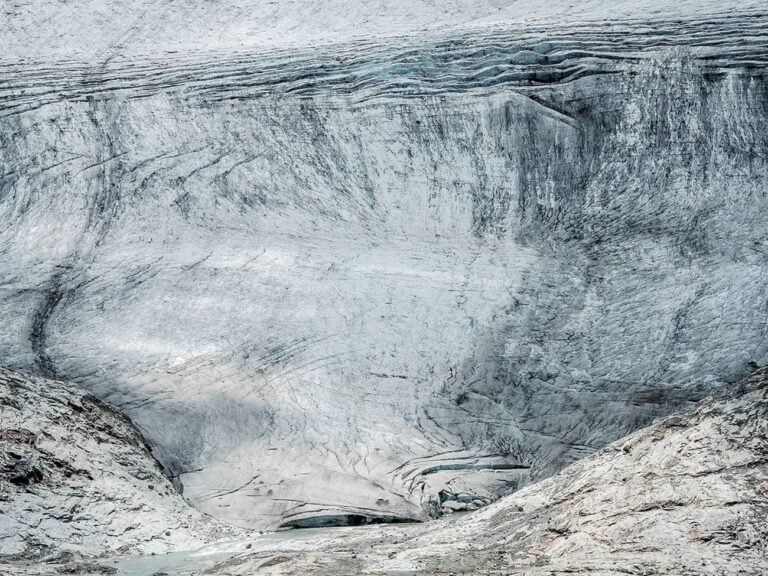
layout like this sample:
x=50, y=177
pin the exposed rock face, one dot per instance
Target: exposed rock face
x=77, y=478
x=389, y=277
x=688, y=495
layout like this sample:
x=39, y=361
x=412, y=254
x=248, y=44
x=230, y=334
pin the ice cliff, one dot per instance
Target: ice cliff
x=343, y=268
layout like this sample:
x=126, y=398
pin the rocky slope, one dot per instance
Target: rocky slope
x=389, y=276
x=77, y=479
x=688, y=495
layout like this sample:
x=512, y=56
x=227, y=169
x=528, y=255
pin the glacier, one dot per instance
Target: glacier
x=373, y=264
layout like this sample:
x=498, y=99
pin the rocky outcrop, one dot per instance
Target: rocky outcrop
x=688, y=495
x=77, y=479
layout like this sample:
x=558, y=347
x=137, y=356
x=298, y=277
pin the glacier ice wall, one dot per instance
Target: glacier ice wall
x=387, y=278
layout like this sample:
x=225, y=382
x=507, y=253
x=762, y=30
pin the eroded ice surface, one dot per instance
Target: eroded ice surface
x=391, y=275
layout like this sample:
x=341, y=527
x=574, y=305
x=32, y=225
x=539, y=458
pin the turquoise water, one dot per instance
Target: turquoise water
x=211, y=554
